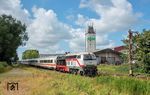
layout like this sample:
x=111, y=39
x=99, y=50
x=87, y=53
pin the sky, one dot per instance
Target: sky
x=59, y=26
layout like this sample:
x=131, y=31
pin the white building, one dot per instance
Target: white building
x=90, y=39
x=108, y=56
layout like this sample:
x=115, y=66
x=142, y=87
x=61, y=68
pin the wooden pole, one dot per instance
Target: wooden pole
x=130, y=52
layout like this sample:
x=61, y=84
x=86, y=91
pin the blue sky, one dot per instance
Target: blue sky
x=57, y=26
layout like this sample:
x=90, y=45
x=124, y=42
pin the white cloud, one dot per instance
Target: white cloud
x=77, y=43
x=114, y=15
x=46, y=31
x=14, y=8
x=104, y=42
x=81, y=20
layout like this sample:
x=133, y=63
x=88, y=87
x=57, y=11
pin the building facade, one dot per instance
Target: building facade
x=108, y=56
x=90, y=39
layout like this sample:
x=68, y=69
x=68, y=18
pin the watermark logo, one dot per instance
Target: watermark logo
x=12, y=86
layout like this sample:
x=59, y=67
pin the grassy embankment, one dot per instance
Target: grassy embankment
x=4, y=67
x=120, y=69
x=45, y=82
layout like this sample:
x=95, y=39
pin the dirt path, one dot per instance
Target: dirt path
x=16, y=72
x=16, y=76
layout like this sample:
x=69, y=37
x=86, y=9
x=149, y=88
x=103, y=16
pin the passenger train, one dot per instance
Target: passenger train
x=83, y=63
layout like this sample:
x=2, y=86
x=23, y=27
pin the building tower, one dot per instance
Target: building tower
x=90, y=39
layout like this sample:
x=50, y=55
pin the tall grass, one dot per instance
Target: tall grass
x=120, y=69
x=131, y=86
x=4, y=67
x=66, y=84
x=47, y=82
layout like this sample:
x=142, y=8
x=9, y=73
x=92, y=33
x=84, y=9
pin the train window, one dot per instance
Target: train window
x=32, y=61
x=79, y=56
x=45, y=61
x=48, y=61
x=41, y=61
x=89, y=57
x=72, y=56
x=68, y=63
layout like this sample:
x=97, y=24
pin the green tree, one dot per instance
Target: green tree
x=29, y=54
x=124, y=57
x=143, y=50
x=12, y=35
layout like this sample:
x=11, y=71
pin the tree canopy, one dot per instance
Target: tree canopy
x=141, y=49
x=12, y=35
x=29, y=54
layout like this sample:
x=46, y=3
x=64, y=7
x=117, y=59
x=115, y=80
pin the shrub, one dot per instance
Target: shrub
x=4, y=67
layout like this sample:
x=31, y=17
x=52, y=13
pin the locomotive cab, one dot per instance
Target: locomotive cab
x=61, y=64
x=90, y=64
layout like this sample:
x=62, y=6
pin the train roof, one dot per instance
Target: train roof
x=43, y=58
x=50, y=57
x=79, y=53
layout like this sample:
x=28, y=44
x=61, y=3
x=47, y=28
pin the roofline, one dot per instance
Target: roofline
x=78, y=53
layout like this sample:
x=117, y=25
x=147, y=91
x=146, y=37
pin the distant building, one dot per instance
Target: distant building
x=108, y=56
x=121, y=49
x=90, y=39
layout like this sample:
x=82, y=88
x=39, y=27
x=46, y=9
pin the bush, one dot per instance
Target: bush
x=4, y=67
x=147, y=63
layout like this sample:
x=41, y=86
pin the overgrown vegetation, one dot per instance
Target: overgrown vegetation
x=121, y=69
x=46, y=82
x=4, y=67
x=126, y=85
x=140, y=49
x=143, y=50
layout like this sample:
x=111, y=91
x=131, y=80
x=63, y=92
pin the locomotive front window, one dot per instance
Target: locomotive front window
x=79, y=56
x=93, y=56
x=89, y=57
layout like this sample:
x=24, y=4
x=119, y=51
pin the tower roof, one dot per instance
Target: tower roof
x=91, y=30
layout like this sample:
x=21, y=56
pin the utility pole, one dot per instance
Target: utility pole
x=130, y=34
x=130, y=52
